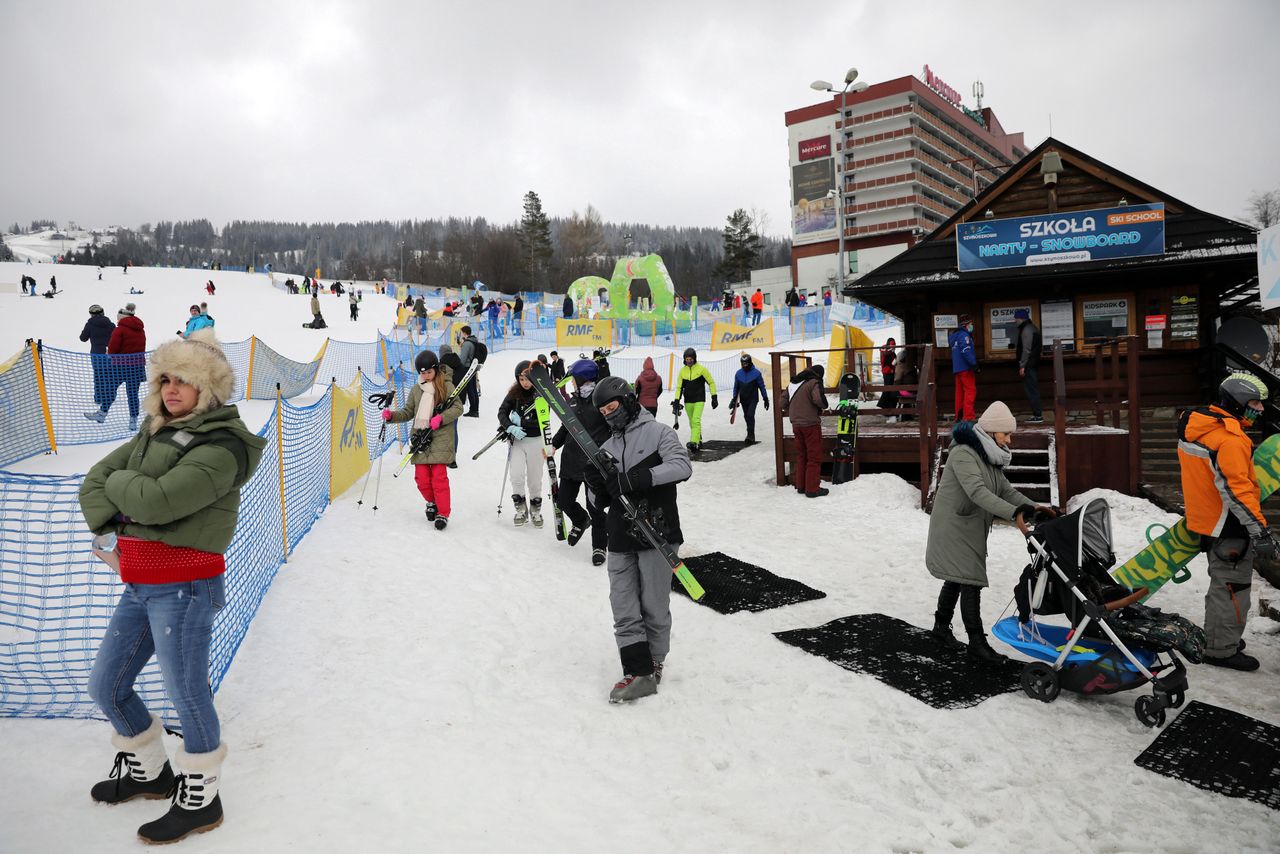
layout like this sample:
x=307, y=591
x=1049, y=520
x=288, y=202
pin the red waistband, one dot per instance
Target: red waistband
x=151, y=562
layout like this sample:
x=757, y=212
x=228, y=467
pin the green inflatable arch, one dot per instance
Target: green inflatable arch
x=662, y=291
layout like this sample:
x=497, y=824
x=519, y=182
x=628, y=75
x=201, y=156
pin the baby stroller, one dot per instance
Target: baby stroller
x=1068, y=574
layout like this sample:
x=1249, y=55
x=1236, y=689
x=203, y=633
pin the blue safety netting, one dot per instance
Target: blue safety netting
x=343, y=359
x=271, y=369
x=23, y=432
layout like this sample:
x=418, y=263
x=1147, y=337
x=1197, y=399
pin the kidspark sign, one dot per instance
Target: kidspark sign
x=1062, y=238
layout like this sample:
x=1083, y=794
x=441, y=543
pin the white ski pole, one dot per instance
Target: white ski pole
x=502, y=491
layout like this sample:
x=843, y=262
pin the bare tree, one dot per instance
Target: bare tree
x=1264, y=209
x=581, y=241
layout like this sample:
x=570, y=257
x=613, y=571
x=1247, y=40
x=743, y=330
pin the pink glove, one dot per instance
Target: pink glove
x=435, y=422
x=386, y=415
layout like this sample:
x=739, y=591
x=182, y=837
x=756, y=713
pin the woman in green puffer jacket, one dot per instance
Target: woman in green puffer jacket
x=170, y=499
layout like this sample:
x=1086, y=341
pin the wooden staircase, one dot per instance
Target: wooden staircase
x=1032, y=471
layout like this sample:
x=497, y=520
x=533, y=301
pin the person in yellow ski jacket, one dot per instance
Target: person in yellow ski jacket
x=692, y=383
x=1223, y=505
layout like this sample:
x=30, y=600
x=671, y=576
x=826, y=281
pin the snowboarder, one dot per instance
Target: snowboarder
x=574, y=464
x=973, y=491
x=650, y=462
x=431, y=466
x=354, y=302
x=748, y=390
x=964, y=364
x=691, y=384
x=804, y=402
x=649, y=386
x=173, y=577
x=1223, y=504
x=317, y=319
x=517, y=418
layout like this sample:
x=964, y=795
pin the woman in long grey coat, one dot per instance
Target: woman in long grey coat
x=972, y=493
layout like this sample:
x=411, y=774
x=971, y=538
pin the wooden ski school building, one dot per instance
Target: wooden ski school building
x=1127, y=285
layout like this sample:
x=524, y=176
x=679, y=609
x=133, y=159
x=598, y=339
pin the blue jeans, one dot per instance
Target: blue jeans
x=174, y=622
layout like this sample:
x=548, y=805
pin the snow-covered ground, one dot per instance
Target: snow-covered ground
x=403, y=689
x=48, y=244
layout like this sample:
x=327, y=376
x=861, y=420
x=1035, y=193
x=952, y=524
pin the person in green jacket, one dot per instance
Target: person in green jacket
x=692, y=383
x=425, y=408
x=972, y=493
x=164, y=507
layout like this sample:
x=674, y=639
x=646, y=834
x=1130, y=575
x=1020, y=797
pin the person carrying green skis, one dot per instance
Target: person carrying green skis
x=692, y=384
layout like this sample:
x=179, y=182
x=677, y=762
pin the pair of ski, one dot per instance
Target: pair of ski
x=421, y=440
x=607, y=466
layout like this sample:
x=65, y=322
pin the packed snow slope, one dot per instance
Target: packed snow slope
x=404, y=689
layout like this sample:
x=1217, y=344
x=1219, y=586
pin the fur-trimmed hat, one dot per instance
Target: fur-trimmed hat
x=197, y=361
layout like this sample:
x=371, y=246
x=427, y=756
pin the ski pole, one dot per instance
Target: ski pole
x=377, y=484
x=503, y=489
x=381, y=433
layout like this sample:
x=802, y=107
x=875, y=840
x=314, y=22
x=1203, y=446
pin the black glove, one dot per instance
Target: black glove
x=1265, y=546
x=632, y=480
x=766, y=404
x=675, y=407
x=1027, y=512
x=715, y=401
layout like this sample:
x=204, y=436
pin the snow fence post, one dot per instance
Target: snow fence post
x=284, y=515
x=44, y=392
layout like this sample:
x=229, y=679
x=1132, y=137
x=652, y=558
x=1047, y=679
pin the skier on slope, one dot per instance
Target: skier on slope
x=431, y=466
x=691, y=383
x=748, y=390
x=1223, y=502
x=574, y=464
x=650, y=462
x=171, y=497
x=520, y=422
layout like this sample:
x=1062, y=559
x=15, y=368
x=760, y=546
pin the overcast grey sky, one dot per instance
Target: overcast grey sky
x=660, y=112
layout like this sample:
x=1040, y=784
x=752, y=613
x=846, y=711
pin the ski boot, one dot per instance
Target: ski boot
x=98, y=415
x=522, y=510
x=692, y=446
x=197, y=807
x=657, y=672
x=633, y=688
x=431, y=511
x=141, y=768
x=535, y=511
x=576, y=532
x=442, y=522
x=597, y=557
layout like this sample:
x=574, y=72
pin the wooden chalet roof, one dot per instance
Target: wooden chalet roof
x=1192, y=236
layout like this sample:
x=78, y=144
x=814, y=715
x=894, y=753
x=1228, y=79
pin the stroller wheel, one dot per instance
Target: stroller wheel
x=1149, y=710
x=1176, y=699
x=1040, y=682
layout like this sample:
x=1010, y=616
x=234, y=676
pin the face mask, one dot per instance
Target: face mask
x=618, y=419
x=586, y=388
x=1250, y=415
x=969, y=328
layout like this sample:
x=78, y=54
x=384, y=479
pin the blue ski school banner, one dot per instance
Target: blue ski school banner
x=1062, y=238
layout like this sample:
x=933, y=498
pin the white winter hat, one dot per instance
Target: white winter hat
x=198, y=361
x=997, y=419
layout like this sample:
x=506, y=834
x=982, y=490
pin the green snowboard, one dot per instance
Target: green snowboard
x=1167, y=557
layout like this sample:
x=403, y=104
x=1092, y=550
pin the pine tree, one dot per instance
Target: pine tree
x=535, y=241
x=741, y=247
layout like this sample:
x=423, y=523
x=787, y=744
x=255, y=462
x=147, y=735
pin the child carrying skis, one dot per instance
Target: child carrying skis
x=520, y=421
x=431, y=471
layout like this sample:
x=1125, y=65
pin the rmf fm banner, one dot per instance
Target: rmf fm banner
x=349, y=452
x=584, y=333
x=729, y=336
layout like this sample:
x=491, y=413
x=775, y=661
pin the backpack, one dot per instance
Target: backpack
x=481, y=352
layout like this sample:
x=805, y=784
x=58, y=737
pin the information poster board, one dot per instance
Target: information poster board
x=1058, y=320
x=1105, y=318
x=1184, y=318
x=943, y=326
x=1003, y=328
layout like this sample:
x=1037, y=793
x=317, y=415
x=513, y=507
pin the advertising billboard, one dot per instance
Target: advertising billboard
x=1061, y=238
x=812, y=149
x=813, y=214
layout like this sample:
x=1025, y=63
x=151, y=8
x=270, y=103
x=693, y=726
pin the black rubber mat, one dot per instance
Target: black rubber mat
x=908, y=658
x=717, y=449
x=1219, y=750
x=732, y=585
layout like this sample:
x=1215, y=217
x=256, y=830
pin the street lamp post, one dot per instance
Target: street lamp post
x=849, y=86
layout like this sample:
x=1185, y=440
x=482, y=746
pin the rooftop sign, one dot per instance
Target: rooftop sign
x=1061, y=238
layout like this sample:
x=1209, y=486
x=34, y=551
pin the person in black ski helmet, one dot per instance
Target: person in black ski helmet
x=574, y=463
x=518, y=418
x=425, y=361
x=691, y=384
x=426, y=409
x=748, y=390
x=650, y=461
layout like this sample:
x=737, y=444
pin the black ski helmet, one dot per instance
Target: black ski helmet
x=745, y=360
x=425, y=361
x=584, y=371
x=689, y=351
x=522, y=366
x=616, y=388
x=1240, y=387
